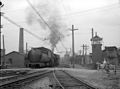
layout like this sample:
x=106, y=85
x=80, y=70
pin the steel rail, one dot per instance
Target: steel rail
x=58, y=80
x=24, y=77
x=16, y=76
x=87, y=85
x=81, y=81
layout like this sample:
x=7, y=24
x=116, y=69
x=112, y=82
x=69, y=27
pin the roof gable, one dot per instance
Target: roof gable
x=96, y=38
x=15, y=53
x=111, y=48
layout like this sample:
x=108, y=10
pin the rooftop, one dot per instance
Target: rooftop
x=14, y=52
x=110, y=48
x=96, y=38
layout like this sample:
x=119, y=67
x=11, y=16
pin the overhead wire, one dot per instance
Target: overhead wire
x=11, y=21
x=63, y=6
x=88, y=10
x=38, y=14
x=43, y=20
x=84, y=11
x=65, y=15
x=93, y=9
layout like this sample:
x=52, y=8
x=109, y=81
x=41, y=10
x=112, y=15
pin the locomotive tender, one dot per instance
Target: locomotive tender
x=41, y=57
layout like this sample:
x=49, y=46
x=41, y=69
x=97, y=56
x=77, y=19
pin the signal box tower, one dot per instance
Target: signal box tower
x=96, y=43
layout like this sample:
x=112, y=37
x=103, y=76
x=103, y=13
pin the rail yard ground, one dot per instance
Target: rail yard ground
x=96, y=78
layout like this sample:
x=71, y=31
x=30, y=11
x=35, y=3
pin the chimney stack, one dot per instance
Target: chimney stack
x=21, y=41
x=92, y=33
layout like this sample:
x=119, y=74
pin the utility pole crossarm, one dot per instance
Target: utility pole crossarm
x=73, y=29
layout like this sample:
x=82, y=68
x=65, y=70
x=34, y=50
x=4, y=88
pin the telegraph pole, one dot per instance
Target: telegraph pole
x=73, y=54
x=0, y=31
x=85, y=47
x=83, y=59
x=26, y=47
x=3, y=64
x=1, y=13
x=1, y=5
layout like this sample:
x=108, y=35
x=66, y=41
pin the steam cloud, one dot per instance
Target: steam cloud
x=51, y=14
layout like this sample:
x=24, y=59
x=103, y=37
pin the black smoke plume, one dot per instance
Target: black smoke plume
x=51, y=13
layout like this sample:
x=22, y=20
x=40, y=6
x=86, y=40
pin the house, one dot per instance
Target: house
x=119, y=56
x=111, y=55
x=14, y=59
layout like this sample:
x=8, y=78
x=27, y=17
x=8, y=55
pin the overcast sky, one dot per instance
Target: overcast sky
x=102, y=15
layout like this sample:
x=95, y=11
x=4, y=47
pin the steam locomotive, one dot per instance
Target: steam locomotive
x=41, y=57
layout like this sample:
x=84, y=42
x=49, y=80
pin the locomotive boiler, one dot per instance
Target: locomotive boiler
x=41, y=57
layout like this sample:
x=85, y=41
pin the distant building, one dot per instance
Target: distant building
x=88, y=59
x=111, y=54
x=83, y=59
x=1, y=56
x=1, y=52
x=119, y=56
x=67, y=57
x=14, y=59
x=78, y=59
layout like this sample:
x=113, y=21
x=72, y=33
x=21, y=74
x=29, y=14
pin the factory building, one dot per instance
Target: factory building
x=14, y=59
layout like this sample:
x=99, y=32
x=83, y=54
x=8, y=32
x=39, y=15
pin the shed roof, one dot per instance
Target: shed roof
x=15, y=52
x=110, y=48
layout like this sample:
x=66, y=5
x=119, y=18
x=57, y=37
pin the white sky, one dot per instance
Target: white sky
x=82, y=13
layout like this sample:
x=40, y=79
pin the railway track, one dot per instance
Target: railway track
x=66, y=81
x=16, y=82
x=11, y=77
x=62, y=79
x=64, y=66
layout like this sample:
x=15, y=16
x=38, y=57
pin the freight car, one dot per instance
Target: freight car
x=41, y=57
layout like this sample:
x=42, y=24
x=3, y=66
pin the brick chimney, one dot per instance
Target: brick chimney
x=21, y=41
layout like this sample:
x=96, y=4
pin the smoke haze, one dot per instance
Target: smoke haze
x=50, y=13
